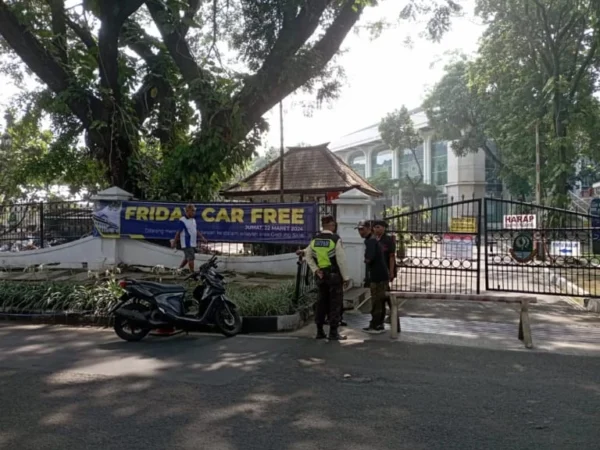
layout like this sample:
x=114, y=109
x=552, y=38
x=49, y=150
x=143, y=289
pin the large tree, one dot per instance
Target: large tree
x=537, y=67
x=106, y=74
x=459, y=112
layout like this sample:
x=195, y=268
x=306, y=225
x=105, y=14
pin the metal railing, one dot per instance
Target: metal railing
x=305, y=281
x=29, y=226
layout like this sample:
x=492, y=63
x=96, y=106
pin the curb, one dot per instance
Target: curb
x=463, y=297
x=256, y=324
x=273, y=324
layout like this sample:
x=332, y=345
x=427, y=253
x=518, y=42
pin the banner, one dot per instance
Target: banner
x=285, y=223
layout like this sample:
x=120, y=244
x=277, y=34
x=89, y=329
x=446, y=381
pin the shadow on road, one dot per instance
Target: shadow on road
x=66, y=389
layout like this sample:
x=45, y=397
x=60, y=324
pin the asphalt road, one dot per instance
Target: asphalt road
x=64, y=389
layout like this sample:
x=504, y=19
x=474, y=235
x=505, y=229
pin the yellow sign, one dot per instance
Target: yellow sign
x=463, y=225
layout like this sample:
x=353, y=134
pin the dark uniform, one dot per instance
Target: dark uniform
x=389, y=249
x=331, y=286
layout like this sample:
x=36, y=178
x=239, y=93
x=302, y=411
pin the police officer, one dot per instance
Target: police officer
x=326, y=258
x=302, y=253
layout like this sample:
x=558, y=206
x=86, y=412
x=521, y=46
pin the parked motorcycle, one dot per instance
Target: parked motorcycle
x=146, y=306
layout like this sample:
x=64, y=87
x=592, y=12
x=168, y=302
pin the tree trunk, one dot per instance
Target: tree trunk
x=561, y=198
x=113, y=146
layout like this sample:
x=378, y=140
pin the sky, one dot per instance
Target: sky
x=382, y=75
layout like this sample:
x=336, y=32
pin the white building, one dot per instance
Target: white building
x=468, y=176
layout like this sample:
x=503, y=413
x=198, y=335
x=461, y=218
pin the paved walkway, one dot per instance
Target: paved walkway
x=556, y=327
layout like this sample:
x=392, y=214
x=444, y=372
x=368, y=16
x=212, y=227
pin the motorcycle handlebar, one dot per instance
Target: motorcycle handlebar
x=212, y=262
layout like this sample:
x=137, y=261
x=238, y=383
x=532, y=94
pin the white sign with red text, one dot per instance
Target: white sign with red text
x=520, y=222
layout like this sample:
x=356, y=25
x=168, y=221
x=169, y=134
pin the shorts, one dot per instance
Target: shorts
x=189, y=253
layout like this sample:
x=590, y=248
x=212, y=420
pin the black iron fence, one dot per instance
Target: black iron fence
x=541, y=250
x=39, y=225
x=438, y=248
x=305, y=281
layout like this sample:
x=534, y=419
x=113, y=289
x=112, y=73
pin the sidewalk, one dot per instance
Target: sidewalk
x=555, y=327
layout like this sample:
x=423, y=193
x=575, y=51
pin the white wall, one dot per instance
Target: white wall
x=132, y=252
x=68, y=256
x=100, y=253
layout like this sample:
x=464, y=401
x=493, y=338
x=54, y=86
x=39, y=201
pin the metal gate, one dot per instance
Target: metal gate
x=497, y=245
x=438, y=248
x=540, y=250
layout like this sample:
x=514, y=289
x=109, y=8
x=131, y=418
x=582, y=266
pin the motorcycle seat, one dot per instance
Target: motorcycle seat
x=165, y=288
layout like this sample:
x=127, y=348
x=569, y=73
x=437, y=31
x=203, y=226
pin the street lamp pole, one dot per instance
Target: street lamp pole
x=538, y=181
x=281, y=152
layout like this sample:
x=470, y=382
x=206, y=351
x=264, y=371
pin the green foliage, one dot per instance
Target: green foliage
x=268, y=301
x=99, y=297
x=385, y=183
x=41, y=297
x=398, y=132
x=536, y=66
x=170, y=116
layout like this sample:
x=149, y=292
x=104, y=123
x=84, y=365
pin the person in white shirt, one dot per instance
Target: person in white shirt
x=187, y=236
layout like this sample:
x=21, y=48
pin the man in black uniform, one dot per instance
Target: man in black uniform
x=377, y=275
x=326, y=258
x=388, y=246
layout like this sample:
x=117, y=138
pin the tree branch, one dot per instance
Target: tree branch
x=192, y=73
x=584, y=66
x=113, y=14
x=155, y=88
x=125, y=9
x=83, y=33
x=133, y=36
x=59, y=28
x=193, y=7
x=263, y=90
x=42, y=63
x=296, y=30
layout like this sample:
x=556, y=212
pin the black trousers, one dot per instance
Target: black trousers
x=330, y=301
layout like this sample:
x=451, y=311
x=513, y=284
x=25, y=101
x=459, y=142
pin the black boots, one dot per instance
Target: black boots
x=334, y=335
x=320, y=333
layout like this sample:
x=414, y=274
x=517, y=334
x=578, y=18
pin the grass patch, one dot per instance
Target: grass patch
x=99, y=297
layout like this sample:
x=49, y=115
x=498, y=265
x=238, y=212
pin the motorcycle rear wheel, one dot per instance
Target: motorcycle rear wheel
x=129, y=332
x=228, y=321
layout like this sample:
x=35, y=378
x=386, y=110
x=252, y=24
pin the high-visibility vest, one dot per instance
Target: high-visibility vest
x=323, y=246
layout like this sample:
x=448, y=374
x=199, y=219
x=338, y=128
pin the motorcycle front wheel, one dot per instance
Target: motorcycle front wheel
x=128, y=331
x=228, y=320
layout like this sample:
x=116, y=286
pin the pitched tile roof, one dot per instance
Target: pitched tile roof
x=307, y=170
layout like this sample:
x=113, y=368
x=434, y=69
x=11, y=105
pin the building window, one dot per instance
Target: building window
x=407, y=164
x=439, y=164
x=381, y=161
x=358, y=162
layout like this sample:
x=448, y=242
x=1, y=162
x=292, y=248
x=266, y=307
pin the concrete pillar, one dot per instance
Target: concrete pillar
x=352, y=207
x=110, y=246
x=368, y=166
x=466, y=175
x=427, y=158
x=395, y=164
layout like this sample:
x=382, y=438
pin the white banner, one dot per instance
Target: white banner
x=520, y=222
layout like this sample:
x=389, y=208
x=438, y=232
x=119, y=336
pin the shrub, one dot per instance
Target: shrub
x=99, y=297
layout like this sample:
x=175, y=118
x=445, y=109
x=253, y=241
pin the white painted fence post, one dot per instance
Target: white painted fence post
x=352, y=207
x=109, y=248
